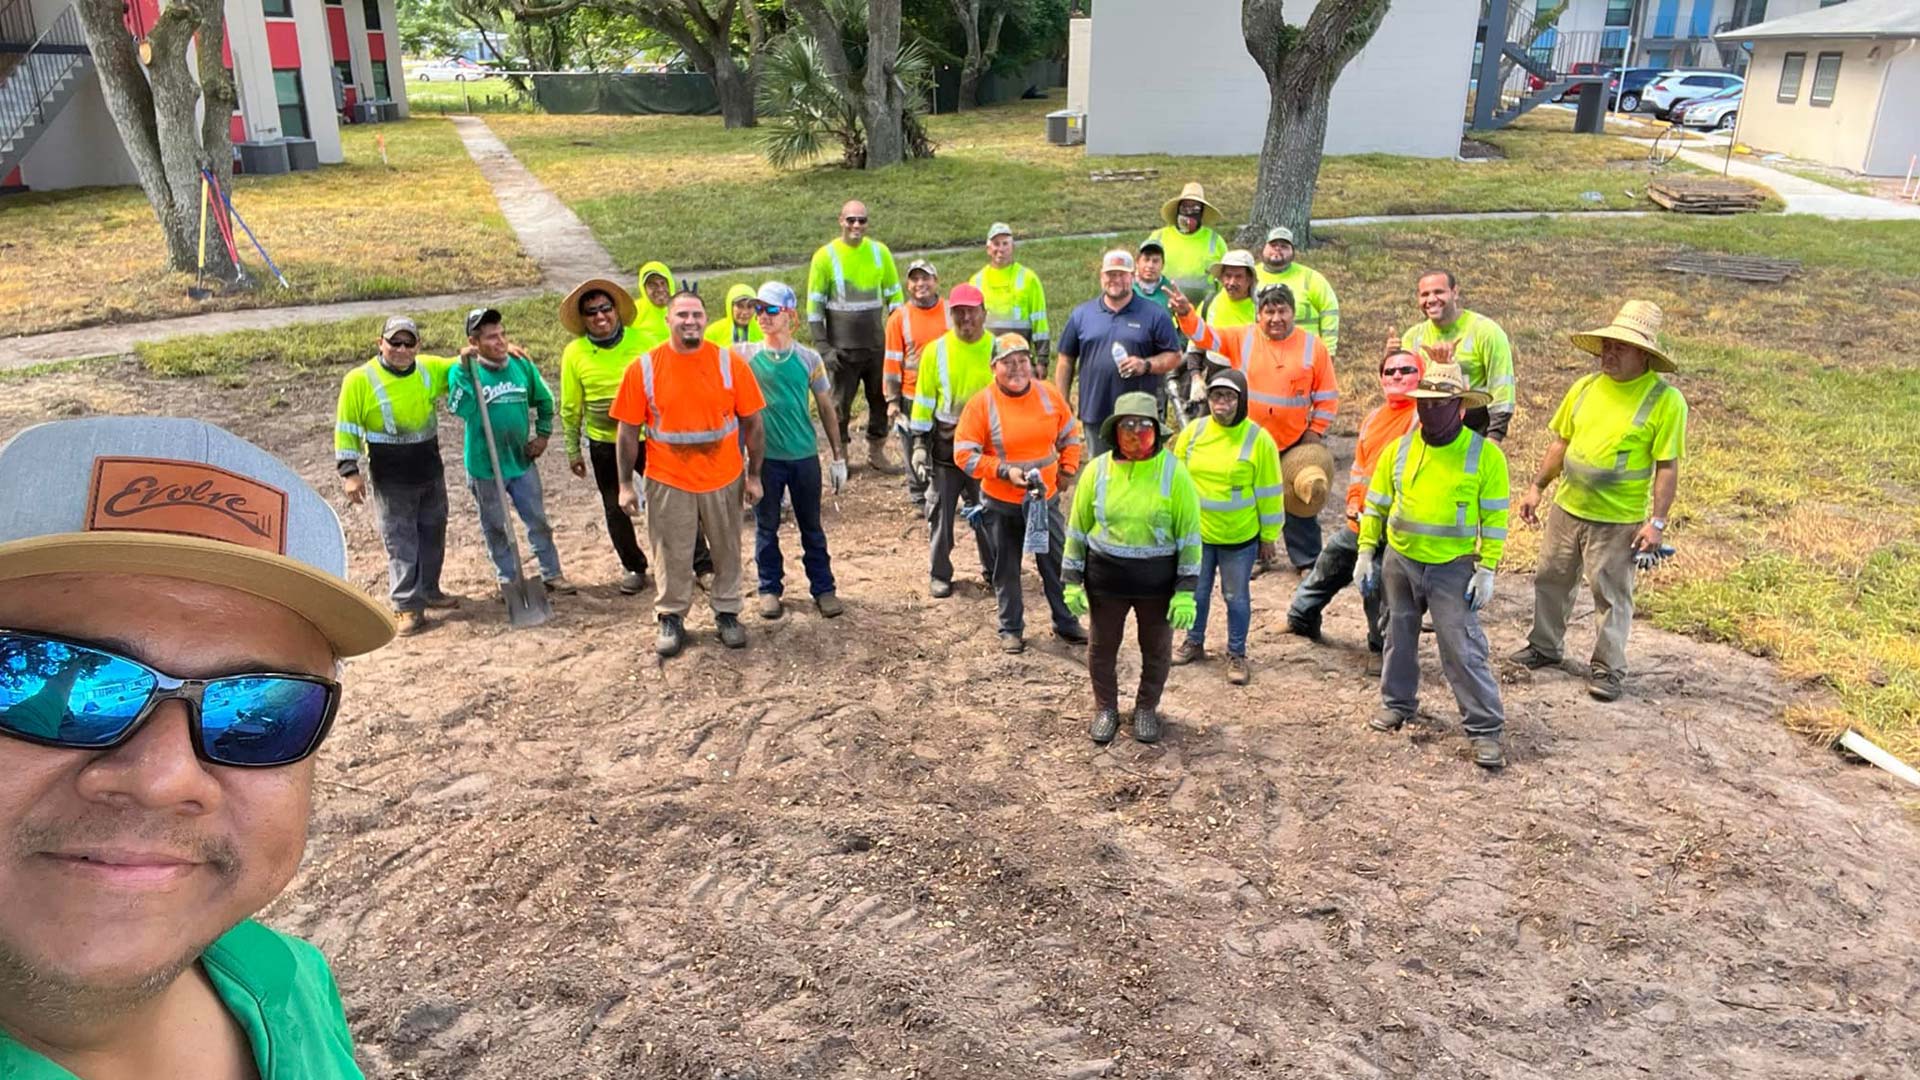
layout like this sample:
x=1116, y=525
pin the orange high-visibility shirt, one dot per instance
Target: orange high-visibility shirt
x=910, y=329
x=1290, y=385
x=1035, y=430
x=691, y=404
x=1383, y=425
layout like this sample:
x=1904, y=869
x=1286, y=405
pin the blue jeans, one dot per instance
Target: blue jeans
x=528, y=500
x=1235, y=562
x=1301, y=535
x=800, y=480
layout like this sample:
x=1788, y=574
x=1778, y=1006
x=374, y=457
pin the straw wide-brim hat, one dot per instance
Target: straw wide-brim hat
x=1306, y=471
x=1638, y=325
x=576, y=323
x=1209, y=213
x=1239, y=257
x=1444, y=381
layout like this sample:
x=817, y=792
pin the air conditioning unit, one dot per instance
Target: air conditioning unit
x=1067, y=127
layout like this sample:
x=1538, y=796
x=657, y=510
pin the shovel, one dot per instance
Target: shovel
x=198, y=290
x=527, y=603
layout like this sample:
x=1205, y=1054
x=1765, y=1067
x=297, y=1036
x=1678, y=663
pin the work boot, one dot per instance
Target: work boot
x=1106, y=724
x=1302, y=628
x=769, y=606
x=1532, y=659
x=443, y=602
x=877, y=456
x=732, y=634
x=1146, y=724
x=829, y=605
x=673, y=636
x=558, y=583
x=938, y=589
x=631, y=583
x=1071, y=632
x=1487, y=752
x=1374, y=663
x=1012, y=643
x=1188, y=651
x=1387, y=720
x=409, y=623
x=1238, y=673
x=1603, y=683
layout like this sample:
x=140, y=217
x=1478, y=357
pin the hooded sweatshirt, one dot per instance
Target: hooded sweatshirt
x=1389, y=421
x=650, y=324
x=721, y=329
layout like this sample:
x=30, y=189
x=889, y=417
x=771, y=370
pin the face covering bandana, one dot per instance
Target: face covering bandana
x=1135, y=445
x=1440, y=421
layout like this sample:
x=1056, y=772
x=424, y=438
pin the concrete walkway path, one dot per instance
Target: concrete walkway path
x=1802, y=196
x=550, y=233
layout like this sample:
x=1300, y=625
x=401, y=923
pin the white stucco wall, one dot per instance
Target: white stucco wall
x=1079, y=62
x=81, y=148
x=1896, y=131
x=1405, y=93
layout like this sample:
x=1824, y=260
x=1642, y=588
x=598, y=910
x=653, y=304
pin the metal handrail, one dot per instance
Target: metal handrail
x=16, y=21
x=54, y=54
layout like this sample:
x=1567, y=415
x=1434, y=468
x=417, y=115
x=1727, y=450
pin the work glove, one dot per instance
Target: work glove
x=837, y=474
x=1076, y=598
x=921, y=462
x=1480, y=589
x=1180, y=611
x=1367, y=573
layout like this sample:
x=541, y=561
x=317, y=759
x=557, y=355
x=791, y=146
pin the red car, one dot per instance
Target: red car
x=1585, y=67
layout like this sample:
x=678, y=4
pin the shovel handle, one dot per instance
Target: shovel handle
x=493, y=457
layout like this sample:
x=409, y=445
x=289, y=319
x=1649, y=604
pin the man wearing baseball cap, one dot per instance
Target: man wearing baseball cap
x=1231, y=306
x=1316, y=308
x=910, y=329
x=958, y=365
x=386, y=425
x=1016, y=303
x=174, y=615
x=1117, y=343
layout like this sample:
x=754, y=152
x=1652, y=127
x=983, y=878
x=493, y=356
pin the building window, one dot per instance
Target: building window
x=372, y=9
x=1619, y=13
x=344, y=68
x=1792, y=66
x=381, y=90
x=293, y=103
x=1826, y=76
x=277, y=9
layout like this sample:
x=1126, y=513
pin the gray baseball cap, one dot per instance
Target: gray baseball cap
x=999, y=228
x=399, y=323
x=183, y=499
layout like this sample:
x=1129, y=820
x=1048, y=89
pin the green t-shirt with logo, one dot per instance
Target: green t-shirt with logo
x=510, y=391
x=277, y=988
x=788, y=378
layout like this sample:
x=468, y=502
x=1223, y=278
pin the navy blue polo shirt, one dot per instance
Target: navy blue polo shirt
x=1142, y=328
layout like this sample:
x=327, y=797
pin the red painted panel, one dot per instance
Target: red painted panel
x=12, y=179
x=237, y=128
x=283, y=44
x=140, y=16
x=337, y=33
x=376, y=45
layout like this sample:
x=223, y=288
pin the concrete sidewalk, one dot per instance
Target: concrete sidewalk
x=1801, y=195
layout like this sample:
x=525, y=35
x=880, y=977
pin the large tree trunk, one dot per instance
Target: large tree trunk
x=1301, y=65
x=886, y=99
x=967, y=12
x=155, y=112
x=735, y=88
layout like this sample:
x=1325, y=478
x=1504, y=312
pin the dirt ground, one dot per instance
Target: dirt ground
x=877, y=847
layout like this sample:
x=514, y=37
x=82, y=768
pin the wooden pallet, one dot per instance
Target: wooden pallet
x=1700, y=195
x=1739, y=267
x=1112, y=175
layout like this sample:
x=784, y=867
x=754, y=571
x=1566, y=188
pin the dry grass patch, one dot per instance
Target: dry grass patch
x=425, y=223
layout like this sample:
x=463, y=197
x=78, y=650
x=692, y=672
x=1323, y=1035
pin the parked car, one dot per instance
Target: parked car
x=1679, y=87
x=1624, y=85
x=1718, y=112
x=1584, y=67
x=451, y=69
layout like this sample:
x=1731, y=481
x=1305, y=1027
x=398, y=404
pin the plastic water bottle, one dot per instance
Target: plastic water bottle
x=1119, y=354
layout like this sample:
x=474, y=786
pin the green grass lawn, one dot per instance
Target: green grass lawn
x=1798, y=521
x=688, y=191
x=424, y=222
x=440, y=97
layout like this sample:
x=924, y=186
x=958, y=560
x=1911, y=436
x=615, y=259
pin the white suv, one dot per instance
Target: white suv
x=1663, y=93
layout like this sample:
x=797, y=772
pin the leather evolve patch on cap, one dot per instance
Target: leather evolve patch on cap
x=186, y=498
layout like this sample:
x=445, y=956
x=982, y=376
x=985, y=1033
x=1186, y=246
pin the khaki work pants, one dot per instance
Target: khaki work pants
x=1605, y=552
x=675, y=518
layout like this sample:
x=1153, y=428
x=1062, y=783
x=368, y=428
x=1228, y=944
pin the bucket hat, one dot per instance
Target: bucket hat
x=1137, y=403
x=1192, y=192
x=576, y=323
x=1443, y=381
x=1306, y=471
x=1637, y=324
x=1240, y=257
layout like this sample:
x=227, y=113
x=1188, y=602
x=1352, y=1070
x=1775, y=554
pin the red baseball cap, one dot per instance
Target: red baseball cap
x=966, y=294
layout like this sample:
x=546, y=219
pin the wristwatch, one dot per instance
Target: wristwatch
x=1658, y=523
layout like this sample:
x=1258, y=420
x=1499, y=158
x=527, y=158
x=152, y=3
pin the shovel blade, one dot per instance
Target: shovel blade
x=527, y=603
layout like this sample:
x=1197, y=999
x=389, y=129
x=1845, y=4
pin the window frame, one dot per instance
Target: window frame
x=285, y=9
x=1797, y=61
x=370, y=14
x=298, y=104
x=381, y=75
x=1813, y=91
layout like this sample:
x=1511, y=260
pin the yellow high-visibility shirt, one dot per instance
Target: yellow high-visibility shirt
x=1437, y=503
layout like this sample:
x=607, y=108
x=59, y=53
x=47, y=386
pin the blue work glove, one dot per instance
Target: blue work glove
x=1367, y=572
x=1480, y=589
x=1076, y=598
x=1180, y=611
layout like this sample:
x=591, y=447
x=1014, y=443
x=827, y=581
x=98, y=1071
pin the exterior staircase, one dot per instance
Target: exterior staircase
x=1515, y=53
x=39, y=73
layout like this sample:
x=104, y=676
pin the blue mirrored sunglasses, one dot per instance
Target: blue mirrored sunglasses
x=69, y=694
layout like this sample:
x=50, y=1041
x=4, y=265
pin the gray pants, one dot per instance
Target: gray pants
x=1605, y=551
x=1332, y=572
x=413, y=526
x=916, y=488
x=530, y=503
x=949, y=489
x=1413, y=589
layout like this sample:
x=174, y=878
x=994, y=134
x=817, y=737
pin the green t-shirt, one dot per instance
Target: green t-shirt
x=787, y=380
x=1615, y=432
x=510, y=391
x=277, y=988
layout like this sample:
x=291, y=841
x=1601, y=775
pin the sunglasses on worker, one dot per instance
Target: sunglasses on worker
x=69, y=694
x=596, y=309
x=855, y=219
x=1408, y=370
x=403, y=343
